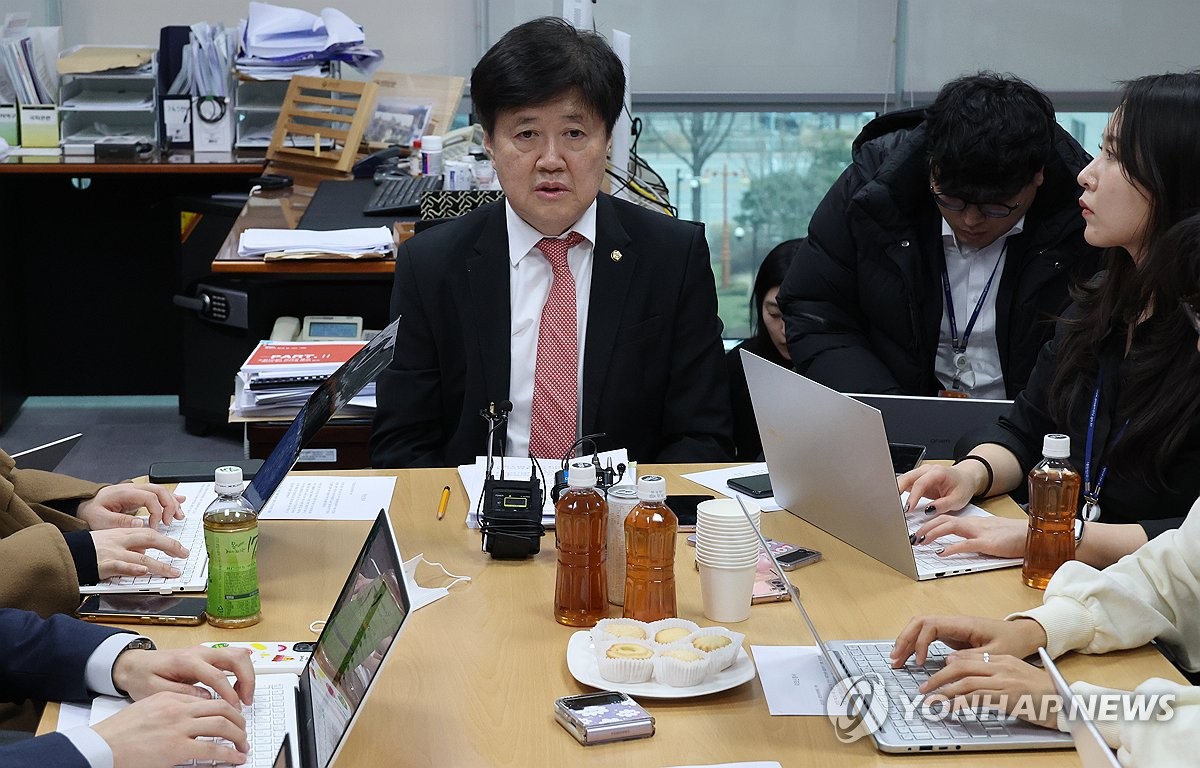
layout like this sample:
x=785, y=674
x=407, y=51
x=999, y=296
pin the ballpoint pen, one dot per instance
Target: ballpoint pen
x=443, y=502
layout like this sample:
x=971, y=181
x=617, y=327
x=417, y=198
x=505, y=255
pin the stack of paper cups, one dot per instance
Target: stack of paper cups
x=727, y=555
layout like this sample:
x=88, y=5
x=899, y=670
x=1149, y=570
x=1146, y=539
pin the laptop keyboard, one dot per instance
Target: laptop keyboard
x=267, y=720
x=193, y=570
x=400, y=195
x=901, y=686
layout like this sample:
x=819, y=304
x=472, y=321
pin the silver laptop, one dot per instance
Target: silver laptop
x=934, y=422
x=326, y=400
x=47, y=457
x=897, y=722
x=828, y=458
x=321, y=705
x=1093, y=750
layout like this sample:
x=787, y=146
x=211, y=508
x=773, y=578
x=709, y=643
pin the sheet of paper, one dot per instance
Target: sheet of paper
x=73, y=716
x=472, y=476
x=718, y=479
x=794, y=678
x=309, y=497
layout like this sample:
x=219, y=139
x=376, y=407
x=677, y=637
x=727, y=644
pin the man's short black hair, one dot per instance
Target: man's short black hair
x=542, y=60
x=987, y=135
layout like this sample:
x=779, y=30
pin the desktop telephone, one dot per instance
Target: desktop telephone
x=318, y=328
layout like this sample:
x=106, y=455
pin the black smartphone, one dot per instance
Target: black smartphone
x=754, y=486
x=684, y=507
x=144, y=609
x=905, y=456
x=199, y=471
x=790, y=561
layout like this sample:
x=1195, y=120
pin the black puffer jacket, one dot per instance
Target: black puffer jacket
x=863, y=298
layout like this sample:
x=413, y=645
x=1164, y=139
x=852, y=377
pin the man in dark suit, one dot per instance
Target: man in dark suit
x=64, y=659
x=587, y=313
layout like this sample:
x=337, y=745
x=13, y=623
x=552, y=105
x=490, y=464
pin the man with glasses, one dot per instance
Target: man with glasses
x=937, y=262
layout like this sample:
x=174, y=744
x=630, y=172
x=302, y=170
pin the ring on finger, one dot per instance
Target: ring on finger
x=987, y=657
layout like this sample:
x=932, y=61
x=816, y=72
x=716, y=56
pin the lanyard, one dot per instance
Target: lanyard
x=959, y=345
x=1091, y=496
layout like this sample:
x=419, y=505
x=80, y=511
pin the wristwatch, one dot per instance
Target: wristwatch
x=136, y=644
x=1078, y=530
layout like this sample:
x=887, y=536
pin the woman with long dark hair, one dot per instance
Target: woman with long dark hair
x=767, y=340
x=1121, y=376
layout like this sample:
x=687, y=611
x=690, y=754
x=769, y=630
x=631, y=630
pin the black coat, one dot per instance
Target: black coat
x=653, y=377
x=863, y=298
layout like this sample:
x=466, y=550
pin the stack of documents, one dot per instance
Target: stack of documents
x=25, y=55
x=279, y=42
x=279, y=376
x=367, y=242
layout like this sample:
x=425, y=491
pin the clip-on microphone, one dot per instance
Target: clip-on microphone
x=510, y=513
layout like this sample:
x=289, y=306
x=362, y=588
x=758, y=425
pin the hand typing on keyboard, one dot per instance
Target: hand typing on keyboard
x=996, y=536
x=114, y=506
x=172, y=720
x=1021, y=637
x=123, y=552
x=980, y=679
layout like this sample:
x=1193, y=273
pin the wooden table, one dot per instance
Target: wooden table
x=474, y=677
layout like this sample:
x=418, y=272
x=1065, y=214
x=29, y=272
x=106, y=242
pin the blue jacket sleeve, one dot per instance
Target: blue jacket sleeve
x=45, y=659
x=52, y=749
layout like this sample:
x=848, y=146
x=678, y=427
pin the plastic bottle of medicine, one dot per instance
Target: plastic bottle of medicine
x=431, y=155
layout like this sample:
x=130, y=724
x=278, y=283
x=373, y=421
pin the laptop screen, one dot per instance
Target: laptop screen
x=329, y=397
x=357, y=636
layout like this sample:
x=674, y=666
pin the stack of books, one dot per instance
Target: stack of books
x=278, y=377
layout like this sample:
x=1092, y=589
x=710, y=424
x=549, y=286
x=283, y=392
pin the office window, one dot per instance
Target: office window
x=753, y=178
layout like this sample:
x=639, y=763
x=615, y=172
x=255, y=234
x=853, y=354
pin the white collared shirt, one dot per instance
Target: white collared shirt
x=530, y=278
x=969, y=270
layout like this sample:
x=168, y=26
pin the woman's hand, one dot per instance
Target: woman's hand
x=998, y=536
x=950, y=488
x=1019, y=637
x=982, y=679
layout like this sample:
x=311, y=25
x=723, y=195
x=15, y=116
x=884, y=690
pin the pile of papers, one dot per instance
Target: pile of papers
x=26, y=58
x=367, y=242
x=280, y=42
x=278, y=377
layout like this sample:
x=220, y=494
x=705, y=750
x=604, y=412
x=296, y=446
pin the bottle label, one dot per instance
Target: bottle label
x=232, y=573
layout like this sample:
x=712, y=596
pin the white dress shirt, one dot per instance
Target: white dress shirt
x=530, y=278
x=969, y=270
x=97, y=676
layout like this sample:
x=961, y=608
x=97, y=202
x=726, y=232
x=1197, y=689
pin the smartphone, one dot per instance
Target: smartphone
x=597, y=718
x=199, y=471
x=754, y=486
x=800, y=556
x=143, y=609
x=905, y=456
x=684, y=507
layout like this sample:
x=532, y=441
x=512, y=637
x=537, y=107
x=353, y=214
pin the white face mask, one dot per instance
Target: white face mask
x=422, y=596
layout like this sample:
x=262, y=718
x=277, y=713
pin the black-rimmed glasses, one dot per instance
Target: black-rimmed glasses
x=1188, y=304
x=990, y=210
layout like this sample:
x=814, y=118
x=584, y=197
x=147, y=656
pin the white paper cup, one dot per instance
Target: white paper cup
x=726, y=591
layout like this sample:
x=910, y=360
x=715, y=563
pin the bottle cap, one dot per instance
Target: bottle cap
x=582, y=474
x=431, y=143
x=228, y=479
x=652, y=488
x=1055, y=446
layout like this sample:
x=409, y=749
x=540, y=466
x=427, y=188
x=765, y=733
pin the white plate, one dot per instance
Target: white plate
x=581, y=661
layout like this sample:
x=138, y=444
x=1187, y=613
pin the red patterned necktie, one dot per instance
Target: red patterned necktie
x=556, y=377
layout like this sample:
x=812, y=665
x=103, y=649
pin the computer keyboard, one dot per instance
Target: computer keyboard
x=267, y=720
x=400, y=195
x=193, y=569
x=902, y=686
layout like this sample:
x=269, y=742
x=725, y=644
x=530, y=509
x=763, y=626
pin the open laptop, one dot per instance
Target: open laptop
x=326, y=400
x=934, y=422
x=1093, y=750
x=829, y=462
x=47, y=457
x=864, y=670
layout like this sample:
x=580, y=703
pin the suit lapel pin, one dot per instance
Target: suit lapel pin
x=615, y=255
